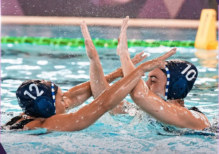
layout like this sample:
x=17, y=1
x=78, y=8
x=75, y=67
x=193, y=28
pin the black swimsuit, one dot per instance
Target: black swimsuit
x=195, y=109
x=13, y=125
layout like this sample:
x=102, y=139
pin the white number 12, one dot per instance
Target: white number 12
x=37, y=91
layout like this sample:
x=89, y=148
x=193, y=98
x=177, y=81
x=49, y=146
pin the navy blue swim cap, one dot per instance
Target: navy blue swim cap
x=181, y=76
x=37, y=98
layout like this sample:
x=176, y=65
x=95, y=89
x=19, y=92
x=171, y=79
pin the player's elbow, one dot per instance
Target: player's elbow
x=196, y=124
x=137, y=96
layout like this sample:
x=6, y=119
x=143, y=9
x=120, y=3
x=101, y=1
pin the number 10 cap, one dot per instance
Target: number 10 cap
x=181, y=76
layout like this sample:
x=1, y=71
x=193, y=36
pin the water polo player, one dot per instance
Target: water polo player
x=172, y=83
x=45, y=105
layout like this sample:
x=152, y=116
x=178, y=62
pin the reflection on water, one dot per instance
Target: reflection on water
x=208, y=58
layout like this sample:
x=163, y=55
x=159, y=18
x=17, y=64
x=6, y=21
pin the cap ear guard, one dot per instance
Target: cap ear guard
x=44, y=106
x=178, y=88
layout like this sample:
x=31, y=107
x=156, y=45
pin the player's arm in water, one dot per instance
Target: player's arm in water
x=106, y=101
x=80, y=93
x=152, y=104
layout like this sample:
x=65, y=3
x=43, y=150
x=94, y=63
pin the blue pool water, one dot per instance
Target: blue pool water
x=134, y=133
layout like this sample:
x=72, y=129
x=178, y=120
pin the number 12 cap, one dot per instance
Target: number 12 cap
x=181, y=76
x=37, y=98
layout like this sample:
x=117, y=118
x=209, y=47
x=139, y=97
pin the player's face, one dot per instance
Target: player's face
x=157, y=81
x=61, y=105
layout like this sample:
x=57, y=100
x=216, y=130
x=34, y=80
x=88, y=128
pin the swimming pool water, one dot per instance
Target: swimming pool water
x=110, y=134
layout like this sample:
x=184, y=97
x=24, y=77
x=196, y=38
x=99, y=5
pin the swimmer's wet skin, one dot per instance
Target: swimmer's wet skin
x=43, y=110
x=174, y=79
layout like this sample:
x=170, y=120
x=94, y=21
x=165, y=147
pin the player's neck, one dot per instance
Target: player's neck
x=178, y=102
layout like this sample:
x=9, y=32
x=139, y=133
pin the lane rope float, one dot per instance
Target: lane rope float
x=79, y=42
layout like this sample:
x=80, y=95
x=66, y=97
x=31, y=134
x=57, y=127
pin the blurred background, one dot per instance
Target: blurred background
x=162, y=9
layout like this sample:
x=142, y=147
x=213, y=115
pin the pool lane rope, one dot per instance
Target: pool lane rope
x=79, y=42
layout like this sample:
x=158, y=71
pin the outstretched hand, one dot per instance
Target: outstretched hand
x=139, y=57
x=165, y=56
x=122, y=41
x=90, y=48
x=157, y=62
x=135, y=60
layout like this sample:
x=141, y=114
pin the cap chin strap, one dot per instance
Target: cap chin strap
x=53, y=94
x=168, y=82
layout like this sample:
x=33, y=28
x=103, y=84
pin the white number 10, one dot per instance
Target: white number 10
x=189, y=72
